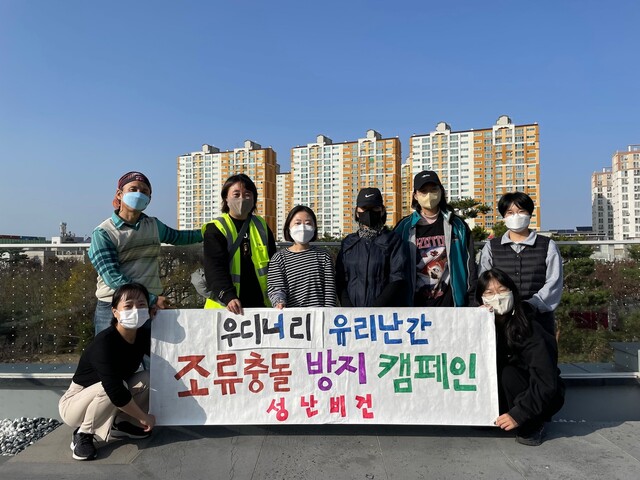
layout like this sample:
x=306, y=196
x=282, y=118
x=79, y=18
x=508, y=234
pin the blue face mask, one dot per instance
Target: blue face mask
x=136, y=200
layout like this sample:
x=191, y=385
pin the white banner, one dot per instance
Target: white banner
x=432, y=366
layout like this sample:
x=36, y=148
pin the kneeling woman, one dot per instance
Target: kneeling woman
x=530, y=388
x=107, y=397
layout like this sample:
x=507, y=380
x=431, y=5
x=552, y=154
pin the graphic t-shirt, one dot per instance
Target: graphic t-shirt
x=432, y=279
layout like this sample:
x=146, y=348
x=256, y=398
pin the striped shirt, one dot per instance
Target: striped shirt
x=302, y=279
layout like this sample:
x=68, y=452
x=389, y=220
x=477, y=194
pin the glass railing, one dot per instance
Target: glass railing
x=47, y=301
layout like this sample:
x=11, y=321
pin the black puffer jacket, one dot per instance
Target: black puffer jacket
x=372, y=272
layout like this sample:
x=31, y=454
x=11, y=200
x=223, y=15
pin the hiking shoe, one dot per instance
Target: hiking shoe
x=126, y=429
x=532, y=439
x=82, y=446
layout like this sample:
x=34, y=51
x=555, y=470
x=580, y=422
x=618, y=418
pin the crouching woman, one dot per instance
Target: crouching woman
x=529, y=384
x=108, y=397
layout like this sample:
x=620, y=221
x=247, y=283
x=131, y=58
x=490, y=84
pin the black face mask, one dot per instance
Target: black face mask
x=372, y=219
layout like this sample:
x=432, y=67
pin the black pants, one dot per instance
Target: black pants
x=514, y=381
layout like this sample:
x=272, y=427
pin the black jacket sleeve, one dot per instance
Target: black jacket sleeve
x=395, y=293
x=271, y=247
x=341, y=281
x=472, y=269
x=216, y=265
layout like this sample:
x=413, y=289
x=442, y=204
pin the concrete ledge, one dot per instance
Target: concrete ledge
x=626, y=355
x=37, y=370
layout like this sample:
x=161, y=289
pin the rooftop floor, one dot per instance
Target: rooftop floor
x=572, y=451
x=595, y=435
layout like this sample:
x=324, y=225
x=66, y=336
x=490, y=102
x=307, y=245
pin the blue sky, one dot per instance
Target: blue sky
x=90, y=90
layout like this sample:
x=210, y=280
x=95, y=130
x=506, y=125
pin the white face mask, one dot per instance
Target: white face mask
x=133, y=319
x=517, y=222
x=302, y=233
x=500, y=302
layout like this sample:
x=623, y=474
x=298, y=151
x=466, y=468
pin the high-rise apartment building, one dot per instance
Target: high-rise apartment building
x=615, y=196
x=482, y=164
x=284, y=196
x=201, y=176
x=601, y=203
x=406, y=188
x=327, y=177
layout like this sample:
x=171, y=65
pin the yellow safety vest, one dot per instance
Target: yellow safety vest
x=258, y=239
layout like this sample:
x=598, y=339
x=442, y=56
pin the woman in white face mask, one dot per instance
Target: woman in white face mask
x=532, y=260
x=108, y=397
x=530, y=388
x=301, y=275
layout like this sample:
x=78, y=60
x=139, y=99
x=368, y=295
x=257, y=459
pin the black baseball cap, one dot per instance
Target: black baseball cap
x=369, y=197
x=424, y=177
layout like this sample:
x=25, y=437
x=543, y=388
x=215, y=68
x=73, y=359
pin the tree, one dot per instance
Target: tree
x=634, y=252
x=479, y=234
x=583, y=294
x=12, y=256
x=499, y=229
x=176, y=266
x=469, y=207
x=572, y=252
x=35, y=315
x=72, y=308
x=327, y=237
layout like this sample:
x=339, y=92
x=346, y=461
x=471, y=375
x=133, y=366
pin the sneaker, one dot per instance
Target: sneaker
x=82, y=446
x=126, y=429
x=532, y=439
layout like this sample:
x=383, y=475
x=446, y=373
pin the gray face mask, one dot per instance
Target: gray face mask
x=240, y=207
